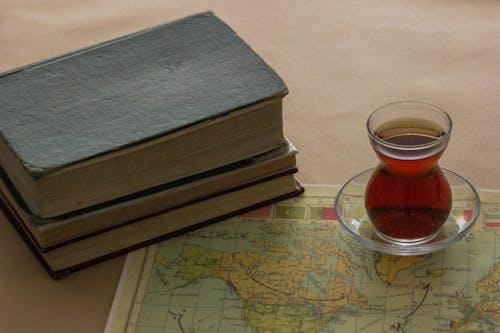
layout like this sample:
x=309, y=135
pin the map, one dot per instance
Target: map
x=290, y=267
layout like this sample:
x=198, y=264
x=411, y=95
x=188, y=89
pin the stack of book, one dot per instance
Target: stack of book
x=134, y=140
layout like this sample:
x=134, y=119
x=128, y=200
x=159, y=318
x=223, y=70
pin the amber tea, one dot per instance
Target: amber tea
x=408, y=198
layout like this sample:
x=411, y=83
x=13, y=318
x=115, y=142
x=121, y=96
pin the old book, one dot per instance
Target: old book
x=136, y=112
x=56, y=232
x=76, y=255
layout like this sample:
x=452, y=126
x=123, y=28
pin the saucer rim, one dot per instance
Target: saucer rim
x=408, y=250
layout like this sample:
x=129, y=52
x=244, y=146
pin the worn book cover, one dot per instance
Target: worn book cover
x=122, y=115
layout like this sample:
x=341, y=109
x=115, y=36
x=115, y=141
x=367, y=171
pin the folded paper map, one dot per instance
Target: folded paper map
x=290, y=267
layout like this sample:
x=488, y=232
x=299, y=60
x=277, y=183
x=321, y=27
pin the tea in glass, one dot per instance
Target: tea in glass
x=408, y=198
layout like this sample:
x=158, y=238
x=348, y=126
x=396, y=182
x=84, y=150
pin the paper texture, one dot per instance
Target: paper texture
x=291, y=268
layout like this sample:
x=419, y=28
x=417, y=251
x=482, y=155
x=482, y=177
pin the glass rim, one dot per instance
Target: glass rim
x=445, y=137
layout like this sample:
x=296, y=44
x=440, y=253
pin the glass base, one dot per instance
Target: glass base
x=353, y=218
x=404, y=241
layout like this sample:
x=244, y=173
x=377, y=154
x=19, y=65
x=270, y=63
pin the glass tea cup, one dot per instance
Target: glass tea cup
x=408, y=198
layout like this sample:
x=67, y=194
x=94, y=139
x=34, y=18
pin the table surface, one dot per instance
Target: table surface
x=340, y=60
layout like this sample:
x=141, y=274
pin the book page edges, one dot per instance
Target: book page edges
x=40, y=190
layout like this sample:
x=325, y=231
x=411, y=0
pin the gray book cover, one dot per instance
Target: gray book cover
x=130, y=90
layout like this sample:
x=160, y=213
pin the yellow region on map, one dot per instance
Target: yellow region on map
x=388, y=266
x=488, y=306
x=272, y=287
x=298, y=271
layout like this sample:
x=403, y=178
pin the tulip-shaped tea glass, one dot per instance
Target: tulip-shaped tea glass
x=408, y=198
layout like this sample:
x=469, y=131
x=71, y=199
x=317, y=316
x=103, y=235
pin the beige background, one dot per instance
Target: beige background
x=340, y=60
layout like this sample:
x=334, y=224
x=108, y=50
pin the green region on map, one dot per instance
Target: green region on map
x=297, y=271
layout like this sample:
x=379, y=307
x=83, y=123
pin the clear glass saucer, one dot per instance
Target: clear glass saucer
x=350, y=209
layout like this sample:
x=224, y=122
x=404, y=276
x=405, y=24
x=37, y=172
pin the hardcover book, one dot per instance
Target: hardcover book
x=73, y=256
x=53, y=233
x=136, y=112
